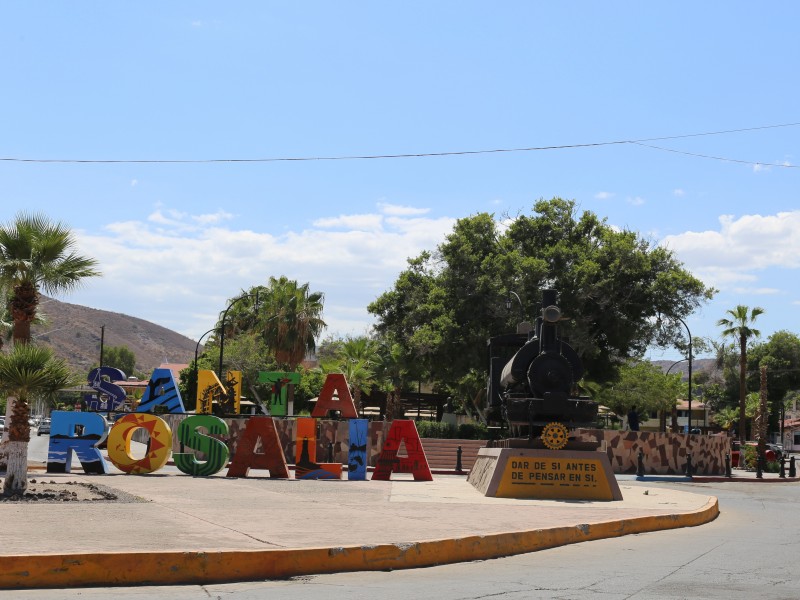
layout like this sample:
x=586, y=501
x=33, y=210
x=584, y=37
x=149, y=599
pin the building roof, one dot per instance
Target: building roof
x=684, y=405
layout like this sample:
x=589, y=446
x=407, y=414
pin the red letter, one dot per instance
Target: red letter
x=416, y=462
x=246, y=457
x=335, y=382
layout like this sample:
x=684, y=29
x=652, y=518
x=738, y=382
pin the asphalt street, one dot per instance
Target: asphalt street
x=749, y=551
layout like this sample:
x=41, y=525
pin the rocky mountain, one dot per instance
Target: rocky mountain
x=73, y=331
x=698, y=365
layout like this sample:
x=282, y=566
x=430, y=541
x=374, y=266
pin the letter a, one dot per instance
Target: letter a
x=335, y=382
x=416, y=462
x=246, y=457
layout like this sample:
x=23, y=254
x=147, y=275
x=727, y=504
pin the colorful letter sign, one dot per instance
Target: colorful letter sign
x=210, y=390
x=246, y=457
x=335, y=383
x=357, y=454
x=78, y=431
x=162, y=391
x=109, y=395
x=215, y=450
x=279, y=383
x=390, y=461
x=158, y=449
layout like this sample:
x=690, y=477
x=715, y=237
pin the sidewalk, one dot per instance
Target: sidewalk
x=181, y=529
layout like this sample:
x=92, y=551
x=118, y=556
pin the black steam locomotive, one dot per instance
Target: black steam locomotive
x=537, y=385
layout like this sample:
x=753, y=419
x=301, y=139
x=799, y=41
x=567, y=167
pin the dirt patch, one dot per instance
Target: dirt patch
x=49, y=491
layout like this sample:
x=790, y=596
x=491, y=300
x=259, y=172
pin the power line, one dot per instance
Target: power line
x=733, y=160
x=640, y=142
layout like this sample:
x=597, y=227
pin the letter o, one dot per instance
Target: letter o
x=119, y=443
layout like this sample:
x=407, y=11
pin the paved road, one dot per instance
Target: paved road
x=750, y=551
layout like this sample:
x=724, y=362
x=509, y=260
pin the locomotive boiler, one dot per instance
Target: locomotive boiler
x=537, y=385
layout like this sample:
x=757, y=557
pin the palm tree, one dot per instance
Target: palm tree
x=726, y=417
x=36, y=255
x=739, y=325
x=26, y=372
x=291, y=319
x=359, y=358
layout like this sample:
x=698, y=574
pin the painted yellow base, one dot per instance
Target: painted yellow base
x=544, y=474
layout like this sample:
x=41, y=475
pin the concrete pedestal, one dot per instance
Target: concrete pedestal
x=551, y=474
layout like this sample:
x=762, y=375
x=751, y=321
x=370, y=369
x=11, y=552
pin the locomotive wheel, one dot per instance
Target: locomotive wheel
x=555, y=435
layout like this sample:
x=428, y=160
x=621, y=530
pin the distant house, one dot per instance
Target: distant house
x=791, y=434
x=700, y=417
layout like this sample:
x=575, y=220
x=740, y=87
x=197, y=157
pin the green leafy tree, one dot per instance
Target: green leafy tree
x=120, y=357
x=739, y=324
x=248, y=353
x=612, y=285
x=392, y=373
x=643, y=386
x=781, y=355
x=28, y=371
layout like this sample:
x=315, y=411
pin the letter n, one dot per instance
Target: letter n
x=402, y=431
x=246, y=457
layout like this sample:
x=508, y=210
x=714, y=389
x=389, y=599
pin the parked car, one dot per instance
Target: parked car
x=770, y=455
x=44, y=427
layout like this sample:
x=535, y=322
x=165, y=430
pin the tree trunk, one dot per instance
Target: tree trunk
x=19, y=434
x=10, y=401
x=357, y=399
x=742, y=390
x=17, y=468
x=763, y=414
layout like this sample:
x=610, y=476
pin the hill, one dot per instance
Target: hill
x=73, y=331
x=698, y=365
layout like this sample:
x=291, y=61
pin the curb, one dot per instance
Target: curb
x=218, y=566
x=721, y=479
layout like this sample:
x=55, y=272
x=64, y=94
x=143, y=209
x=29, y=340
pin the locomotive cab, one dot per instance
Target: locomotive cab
x=537, y=385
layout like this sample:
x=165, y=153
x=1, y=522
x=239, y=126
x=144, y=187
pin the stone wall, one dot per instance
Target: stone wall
x=664, y=453
x=328, y=432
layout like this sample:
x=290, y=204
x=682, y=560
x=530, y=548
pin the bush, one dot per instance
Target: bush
x=446, y=431
x=432, y=429
x=750, y=454
x=473, y=431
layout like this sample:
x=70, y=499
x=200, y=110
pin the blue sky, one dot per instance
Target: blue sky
x=248, y=80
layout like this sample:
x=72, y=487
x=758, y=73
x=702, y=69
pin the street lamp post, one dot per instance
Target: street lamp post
x=689, y=333
x=521, y=309
x=196, y=368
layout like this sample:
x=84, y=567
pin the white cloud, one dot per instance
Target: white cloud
x=740, y=248
x=134, y=182
x=366, y=222
x=178, y=269
x=401, y=211
x=757, y=291
x=637, y=201
x=678, y=192
x=604, y=195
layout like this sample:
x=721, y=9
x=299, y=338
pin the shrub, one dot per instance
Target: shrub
x=473, y=431
x=447, y=431
x=432, y=429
